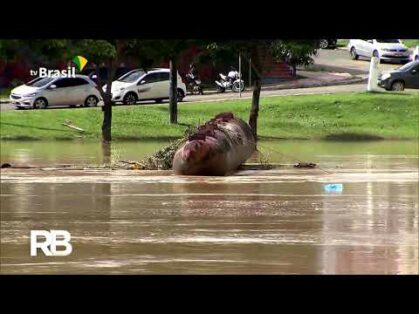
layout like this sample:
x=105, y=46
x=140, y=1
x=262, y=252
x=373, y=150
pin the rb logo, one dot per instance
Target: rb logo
x=50, y=243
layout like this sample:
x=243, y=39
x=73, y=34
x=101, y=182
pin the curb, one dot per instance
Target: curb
x=320, y=84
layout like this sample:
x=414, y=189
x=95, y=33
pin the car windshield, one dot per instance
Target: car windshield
x=131, y=76
x=388, y=41
x=40, y=81
x=407, y=66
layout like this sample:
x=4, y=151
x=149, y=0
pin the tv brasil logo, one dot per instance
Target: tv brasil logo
x=79, y=61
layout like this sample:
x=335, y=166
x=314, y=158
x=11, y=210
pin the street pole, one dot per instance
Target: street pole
x=240, y=75
x=250, y=71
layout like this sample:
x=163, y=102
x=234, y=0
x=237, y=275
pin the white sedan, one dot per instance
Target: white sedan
x=138, y=85
x=41, y=93
x=384, y=49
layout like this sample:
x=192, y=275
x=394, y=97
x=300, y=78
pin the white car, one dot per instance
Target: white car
x=384, y=49
x=138, y=85
x=58, y=91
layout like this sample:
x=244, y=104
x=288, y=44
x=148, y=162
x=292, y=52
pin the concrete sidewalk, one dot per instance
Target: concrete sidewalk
x=316, y=79
x=308, y=79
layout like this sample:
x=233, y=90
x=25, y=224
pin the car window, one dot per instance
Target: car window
x=79, y=81
x=61, y=83
x=39, y=82
x=164, y=76
x=131, y=77
x=66, y=82
x=152, y=78
x=388, y=41
x=406, y=67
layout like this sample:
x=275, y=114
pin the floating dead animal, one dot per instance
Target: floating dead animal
x=219, y=147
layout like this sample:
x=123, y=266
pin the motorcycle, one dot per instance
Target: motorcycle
x=194, y=84
x=231, y=81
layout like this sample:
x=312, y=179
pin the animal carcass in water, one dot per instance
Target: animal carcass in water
x=219, y=147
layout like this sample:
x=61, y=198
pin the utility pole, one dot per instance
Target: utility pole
x=240, y=75
x=250, y=71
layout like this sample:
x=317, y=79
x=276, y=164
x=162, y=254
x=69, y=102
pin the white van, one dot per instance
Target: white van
x=138, y=85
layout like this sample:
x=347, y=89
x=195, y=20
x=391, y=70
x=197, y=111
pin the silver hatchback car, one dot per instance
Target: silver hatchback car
x=56, y=91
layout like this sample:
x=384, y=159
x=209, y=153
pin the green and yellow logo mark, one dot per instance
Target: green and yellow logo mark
x=80, y=62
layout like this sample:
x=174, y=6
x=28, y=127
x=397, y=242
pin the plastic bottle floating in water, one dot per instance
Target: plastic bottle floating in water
x=333, y=187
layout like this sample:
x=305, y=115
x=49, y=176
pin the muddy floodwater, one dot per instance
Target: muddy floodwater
x=278, y=221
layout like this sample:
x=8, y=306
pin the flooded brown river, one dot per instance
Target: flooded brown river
x=278, y=221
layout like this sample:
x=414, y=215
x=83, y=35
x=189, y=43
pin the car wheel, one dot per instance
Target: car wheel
x=180, y=95
x=397, y=86
x=354, y=55
x=91, y=101
x=40, y=103
x=130, y=99
x=323, y=44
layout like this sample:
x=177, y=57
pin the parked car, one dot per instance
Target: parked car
x=328, y=43
x=384, y=49
x=41, y=93
x=415, y=55
x=406, y=76
x=139, y=85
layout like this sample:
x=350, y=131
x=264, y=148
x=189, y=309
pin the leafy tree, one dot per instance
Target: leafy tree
x=107, y=52
x=295, y=52
x=254, y=50
x=171, y=50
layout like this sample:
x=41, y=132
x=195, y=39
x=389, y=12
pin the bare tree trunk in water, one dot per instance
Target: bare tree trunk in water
x=254, y=110
x=173, y=91
x=106, y=154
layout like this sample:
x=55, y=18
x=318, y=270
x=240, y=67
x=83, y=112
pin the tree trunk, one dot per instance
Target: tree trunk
x=107, y=107
x=173, y=91
x=254, y=110
x=294, y=70
x=106, y=154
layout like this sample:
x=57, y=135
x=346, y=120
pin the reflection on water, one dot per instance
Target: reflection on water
x=276, y=221
x=368, y=155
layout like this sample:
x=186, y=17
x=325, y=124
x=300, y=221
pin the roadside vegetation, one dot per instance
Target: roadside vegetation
x=346, y=116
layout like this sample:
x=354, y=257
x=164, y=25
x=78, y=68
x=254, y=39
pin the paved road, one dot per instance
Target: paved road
x=248, y=94
x=339, y=60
